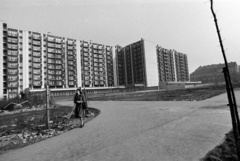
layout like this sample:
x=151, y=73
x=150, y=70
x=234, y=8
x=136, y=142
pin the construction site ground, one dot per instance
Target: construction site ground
x=138, y=130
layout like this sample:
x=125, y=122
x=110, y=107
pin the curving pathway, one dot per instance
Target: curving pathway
x=129, y=131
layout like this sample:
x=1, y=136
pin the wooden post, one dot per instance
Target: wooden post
x=47, y=106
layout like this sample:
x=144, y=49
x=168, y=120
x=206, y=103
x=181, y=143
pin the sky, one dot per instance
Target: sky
x=186, y=26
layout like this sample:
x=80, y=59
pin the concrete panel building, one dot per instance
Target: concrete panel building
x=144, y=63
x=32, y=60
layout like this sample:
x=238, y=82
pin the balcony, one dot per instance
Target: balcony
x=59, y=83
x=12, y=78
x=12, y=71
x=71, y=83
x=86, y=54
x=36, y=54
x=12, y=59
x=51, y=83
x=85, y=50
x=12, y=84
x=12, y=33
x=12, y=65
x=58, y=46
x=12, y=46
x=70, y=57
x=50, y=39
x=58, y=72
x=85, y=45
x=36, y=37
x=51, y=72
x=87, y=83
x=37, y=43
x=96, y=82
x=37, y=71
x=34, y=48
x=36, y=60
x=58, y=67
x=58, y=51
x=37, y=77
x=70, y=47
x=58, y=56
x=58, y=62
x=70, y=63
x=51, y=45
x=86, y=59
x=37, y=65
x=37, y=83
x=70, y=53
x=51, y=77
x=58, y=41
x=70, y=42
x=12, y=40
x=50, y=50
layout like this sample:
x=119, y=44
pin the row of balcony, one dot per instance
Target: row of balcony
x=55, y=83
x=54, y=61
x=50, y=50
x=56, y=40
x=55, y=56
x=52, y=66
x=55, y=72
x=53, y=77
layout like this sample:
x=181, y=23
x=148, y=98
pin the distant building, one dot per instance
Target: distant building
x=213, y=73
x=145, y=63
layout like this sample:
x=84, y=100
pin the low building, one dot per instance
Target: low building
x=213, y=73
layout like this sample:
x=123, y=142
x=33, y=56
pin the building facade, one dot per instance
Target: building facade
x=145, y=63
x=33, y=60
x=213, y=73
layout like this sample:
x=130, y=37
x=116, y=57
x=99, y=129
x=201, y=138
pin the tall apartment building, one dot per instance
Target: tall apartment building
x=96, y=65
x=32, y=60
x=181, y=64
x=135, y=65
x=146, y=63
x=165, y=60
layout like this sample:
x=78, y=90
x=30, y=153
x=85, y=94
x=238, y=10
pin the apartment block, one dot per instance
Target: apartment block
x=135, y=64
x=181, y=63
x=144, y=63
x=166, y=69
x=32, y=60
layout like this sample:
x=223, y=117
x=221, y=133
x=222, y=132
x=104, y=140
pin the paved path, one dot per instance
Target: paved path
x=132, y=131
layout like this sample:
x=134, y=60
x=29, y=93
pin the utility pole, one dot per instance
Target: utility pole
x=230, y=91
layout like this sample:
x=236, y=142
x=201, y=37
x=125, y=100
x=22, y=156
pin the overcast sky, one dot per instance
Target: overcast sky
x=184, y=25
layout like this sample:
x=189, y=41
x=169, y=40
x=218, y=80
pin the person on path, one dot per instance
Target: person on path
x=78, y=100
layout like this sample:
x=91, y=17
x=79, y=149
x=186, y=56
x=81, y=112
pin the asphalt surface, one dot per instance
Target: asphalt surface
x=129, y=131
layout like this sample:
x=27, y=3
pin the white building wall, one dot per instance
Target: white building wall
x=151, y=66
x=43, y=48
x=114, y=67
x=1, y=60
x=79, y=69
x=25, y=56
x=175, y=71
